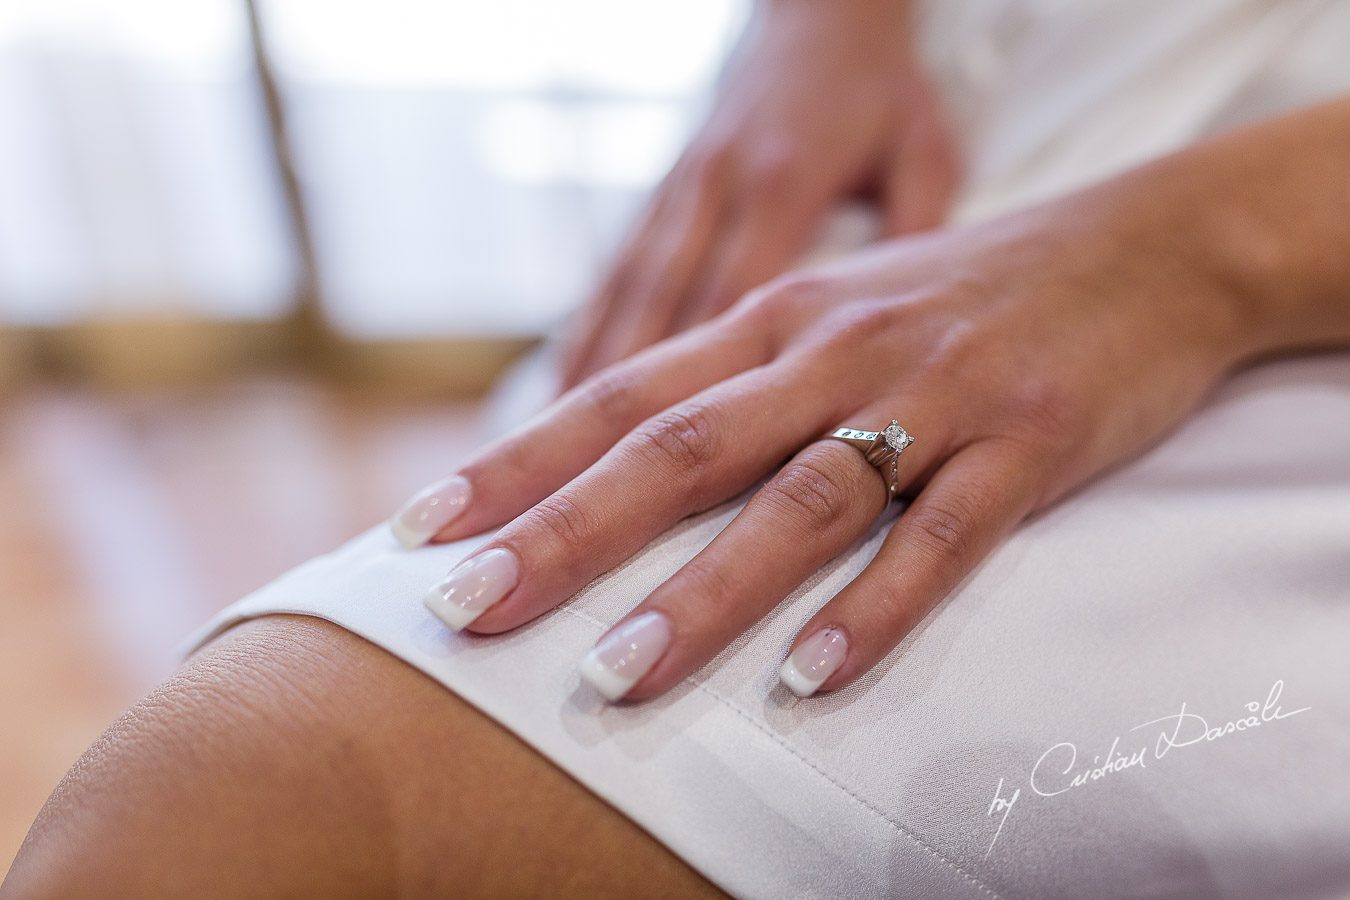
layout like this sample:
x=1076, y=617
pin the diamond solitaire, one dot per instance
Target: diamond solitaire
x=881, y=449
x=896, y=438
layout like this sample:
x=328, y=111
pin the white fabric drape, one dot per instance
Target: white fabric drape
x=1205, y=583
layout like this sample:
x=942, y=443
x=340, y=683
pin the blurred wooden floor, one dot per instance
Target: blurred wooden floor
x=126, y=520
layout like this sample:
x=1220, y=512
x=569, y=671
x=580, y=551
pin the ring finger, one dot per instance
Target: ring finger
x=822, y=501
x=975, y=498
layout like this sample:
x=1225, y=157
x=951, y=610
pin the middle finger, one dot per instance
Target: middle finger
x=685, y=460
x=818, y=505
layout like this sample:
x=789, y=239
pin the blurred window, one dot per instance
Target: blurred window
x=137, y=174
x=467, y=165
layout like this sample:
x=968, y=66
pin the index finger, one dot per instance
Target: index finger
x=514, y=473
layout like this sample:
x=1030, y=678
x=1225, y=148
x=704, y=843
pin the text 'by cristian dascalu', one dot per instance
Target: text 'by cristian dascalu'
x=1060, y=769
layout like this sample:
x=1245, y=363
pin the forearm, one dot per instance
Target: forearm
x=877, y=10
x=886, y=22
x=1263, y=215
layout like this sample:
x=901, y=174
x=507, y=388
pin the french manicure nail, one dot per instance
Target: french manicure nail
x=430, y=510
x=626, y=654
x=473, y=586
x=814, y=660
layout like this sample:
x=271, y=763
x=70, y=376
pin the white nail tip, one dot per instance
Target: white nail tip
x=814, y=661
x=406, y=536
x=452, y=614
x=626, y=654
x=601, y=677
x=796, y=682
x=473, y=586
x=430, y=510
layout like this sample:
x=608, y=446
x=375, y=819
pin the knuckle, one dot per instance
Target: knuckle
x=954, y=355
x=946, y=528
x=788, y=295
x=801, y=289
x=858, y=327
x=812, y=495
x=711, y=579
x=771, y=173
x=564, y=520
x=613, y=395
x=757, y=310
x=1040, y=408
x=877, y=318
x=954, y=347
x=682, y=440
x=756, y=323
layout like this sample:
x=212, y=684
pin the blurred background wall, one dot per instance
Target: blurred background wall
x=186, y=183
x=257, y=265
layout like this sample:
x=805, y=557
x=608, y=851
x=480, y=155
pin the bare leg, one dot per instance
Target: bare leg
x=293, y=758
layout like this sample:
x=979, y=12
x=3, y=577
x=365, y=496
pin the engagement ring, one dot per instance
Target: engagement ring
x=882, y=449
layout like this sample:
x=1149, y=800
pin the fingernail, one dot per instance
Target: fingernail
x=626, y=654
x=473, y=586
x=814, y=660
x=430, y=510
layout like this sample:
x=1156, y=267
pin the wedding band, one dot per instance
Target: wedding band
x=881, y=449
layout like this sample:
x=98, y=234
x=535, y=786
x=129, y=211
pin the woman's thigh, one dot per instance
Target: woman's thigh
x=291, y=757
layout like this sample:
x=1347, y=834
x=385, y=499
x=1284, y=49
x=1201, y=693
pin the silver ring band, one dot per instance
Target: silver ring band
x=881, y=449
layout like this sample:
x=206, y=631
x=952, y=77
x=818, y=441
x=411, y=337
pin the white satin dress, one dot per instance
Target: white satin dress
x=1145, y=691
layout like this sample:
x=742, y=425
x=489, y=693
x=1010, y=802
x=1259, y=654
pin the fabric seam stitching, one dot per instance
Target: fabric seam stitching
x=802, y=758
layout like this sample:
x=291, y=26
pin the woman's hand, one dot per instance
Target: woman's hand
x=1025, y=356
x=823, y=100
